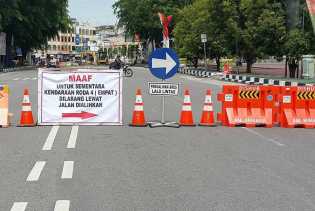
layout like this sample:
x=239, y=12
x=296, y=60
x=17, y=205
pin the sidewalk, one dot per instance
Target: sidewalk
x=12, y=69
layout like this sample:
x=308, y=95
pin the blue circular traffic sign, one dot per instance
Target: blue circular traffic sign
x=163, y=63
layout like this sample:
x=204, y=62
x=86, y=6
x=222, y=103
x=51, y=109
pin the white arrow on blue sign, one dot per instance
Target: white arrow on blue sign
x=163, y=63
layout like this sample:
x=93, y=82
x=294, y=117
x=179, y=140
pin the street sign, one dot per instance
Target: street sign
x=164, y=63
x=84, y=97
x=77, y=39
x=204, y=38
x=163, y=89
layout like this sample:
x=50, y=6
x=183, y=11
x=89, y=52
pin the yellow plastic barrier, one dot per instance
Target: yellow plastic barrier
x=4, y=106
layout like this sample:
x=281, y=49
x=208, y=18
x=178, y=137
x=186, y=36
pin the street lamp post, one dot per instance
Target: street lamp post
x=204, y=41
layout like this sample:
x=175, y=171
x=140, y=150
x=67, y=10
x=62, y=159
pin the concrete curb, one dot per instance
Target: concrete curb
x=13, y=69
x=201, y=73
x=251, y=80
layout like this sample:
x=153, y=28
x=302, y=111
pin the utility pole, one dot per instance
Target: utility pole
x=204, y=41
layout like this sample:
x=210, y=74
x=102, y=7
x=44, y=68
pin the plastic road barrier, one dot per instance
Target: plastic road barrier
x=249, y=106
x=297, y=107
x=4, y=106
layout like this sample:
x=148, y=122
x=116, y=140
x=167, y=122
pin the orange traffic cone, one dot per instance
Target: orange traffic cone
x=26, y=119
x=138, y=119
x=186, y=118
x=207, y=117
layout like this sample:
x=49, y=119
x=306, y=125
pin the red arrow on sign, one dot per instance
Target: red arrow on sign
x=82, y=115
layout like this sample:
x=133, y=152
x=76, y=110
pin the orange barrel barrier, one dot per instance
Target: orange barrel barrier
x=297, y=107
x=4, y=106
x=249, y=106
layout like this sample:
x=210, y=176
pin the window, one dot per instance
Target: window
x=54, y=47
x=72, y=39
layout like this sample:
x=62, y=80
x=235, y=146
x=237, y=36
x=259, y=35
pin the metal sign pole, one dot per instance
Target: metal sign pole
x=163, y=109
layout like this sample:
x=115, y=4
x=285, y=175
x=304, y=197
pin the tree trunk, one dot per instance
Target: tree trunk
x=8, y=58
x=249, y=65
x=218, y=62
x=286, y=67
x=292, y=67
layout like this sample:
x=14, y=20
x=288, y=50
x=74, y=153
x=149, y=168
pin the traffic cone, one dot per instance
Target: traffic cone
x=138, y=119
x=26, y=119
x=207, y=117
x=186, y=118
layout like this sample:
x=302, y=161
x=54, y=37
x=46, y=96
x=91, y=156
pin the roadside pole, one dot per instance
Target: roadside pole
x=204, y=41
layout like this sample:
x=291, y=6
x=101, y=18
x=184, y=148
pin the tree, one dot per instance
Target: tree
x=141, y=16
x=32, y=23
x=262, y=29
x=215, y=18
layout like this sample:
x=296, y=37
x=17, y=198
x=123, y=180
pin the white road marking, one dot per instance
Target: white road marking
x=67, y=171
x=263, y=137
x=24, y=79
x=16, y=79
x=35, y=78
x=62, y=205
x=19, y=206
x=51, y=138
x=36, y=171
x=73, y=137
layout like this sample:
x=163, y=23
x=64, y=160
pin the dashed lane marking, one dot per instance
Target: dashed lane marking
x=264, y=137
x=25, y=79
x=36, y=171
x=62, y=205
x=67, y=171
x=35, y=78
x=19, y=206
x=16, y=79
x=73, y=137
x=51, y=138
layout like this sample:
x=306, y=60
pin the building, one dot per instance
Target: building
x=114, y=38
x=79, y=40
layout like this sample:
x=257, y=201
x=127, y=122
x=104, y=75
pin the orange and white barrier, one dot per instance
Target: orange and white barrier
x=249, y=106
x=297, y=107
x=4, y=106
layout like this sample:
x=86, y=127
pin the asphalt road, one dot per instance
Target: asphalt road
x=163, y=169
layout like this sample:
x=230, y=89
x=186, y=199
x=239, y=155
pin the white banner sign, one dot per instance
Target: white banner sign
x=84, y=97
x=163, y=89
x=2, y=44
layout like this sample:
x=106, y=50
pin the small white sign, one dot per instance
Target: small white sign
x=228, y=98
x=163, y=89
x=287, y=99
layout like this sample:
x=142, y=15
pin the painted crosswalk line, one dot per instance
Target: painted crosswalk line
x=19, y=206
x=51, y=138
x=62, y=205
x=73, y=137
x=67, y=171
x=36, y=171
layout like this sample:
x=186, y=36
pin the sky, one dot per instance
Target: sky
x=96, y=12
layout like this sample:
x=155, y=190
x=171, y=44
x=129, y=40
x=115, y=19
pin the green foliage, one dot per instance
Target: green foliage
x=33, y=22
x=141, y=16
